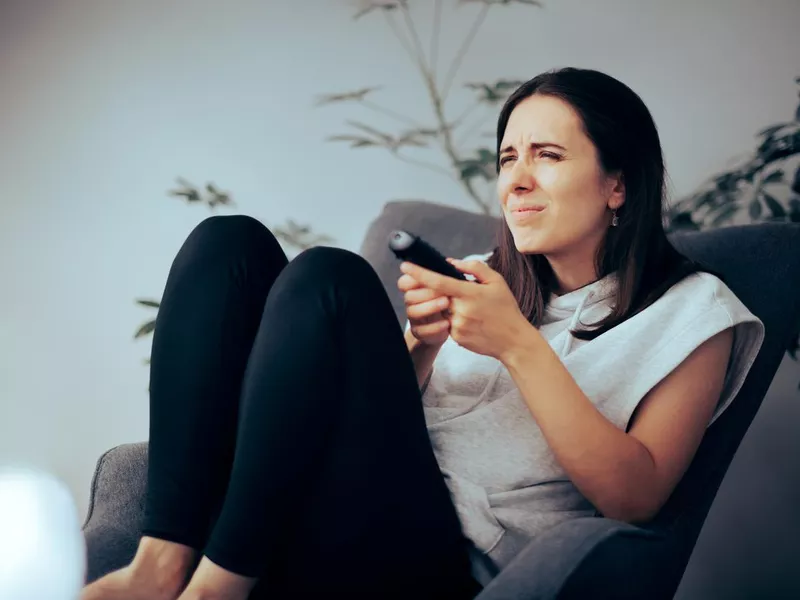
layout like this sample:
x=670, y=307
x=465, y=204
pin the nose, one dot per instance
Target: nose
x=522, y=180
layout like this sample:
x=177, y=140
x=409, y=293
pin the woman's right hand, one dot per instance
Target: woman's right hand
x=425, y=311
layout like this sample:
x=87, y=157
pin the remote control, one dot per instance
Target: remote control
x=412, y=248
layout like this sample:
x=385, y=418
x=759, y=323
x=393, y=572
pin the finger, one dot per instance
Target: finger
x=421, y=294
x=479, y=269
x=446, y=286
x=426, y=309
x=407, y=282
x=430, y=328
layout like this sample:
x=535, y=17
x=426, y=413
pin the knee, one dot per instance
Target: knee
x=228, y=228
x=325, y=264
x=226, y=235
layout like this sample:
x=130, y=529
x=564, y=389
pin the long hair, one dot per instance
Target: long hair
x=621, y=128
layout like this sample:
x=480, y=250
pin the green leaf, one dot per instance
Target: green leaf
x=778, y=211
x=368, y=6
x=354, y=96
x=385, y=137
x=776, y=175
x=725, y=214
x=408, y=138
x=700, y=200
x=494, y=93
x=727, y=182
x=755, y=209
x=150, y=303
x=145, y=329
x=772, y=129
x=482, y=166
x=424, y=132
x=683, y=221
x=777, y=148
x=355, y=141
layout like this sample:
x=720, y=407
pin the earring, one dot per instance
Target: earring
x=614, y=218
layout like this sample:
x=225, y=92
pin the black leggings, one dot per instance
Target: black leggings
x=287, y=437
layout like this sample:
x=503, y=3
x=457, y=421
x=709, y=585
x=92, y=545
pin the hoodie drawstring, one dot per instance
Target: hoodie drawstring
x=574, y=321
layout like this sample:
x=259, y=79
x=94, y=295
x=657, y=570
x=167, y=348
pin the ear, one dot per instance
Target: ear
x=616, y=197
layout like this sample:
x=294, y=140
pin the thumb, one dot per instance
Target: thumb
x=479, y=269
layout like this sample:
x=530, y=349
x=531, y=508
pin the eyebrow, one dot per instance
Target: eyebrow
x=535, y=146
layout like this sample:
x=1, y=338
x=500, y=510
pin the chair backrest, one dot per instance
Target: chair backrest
x=761, y=265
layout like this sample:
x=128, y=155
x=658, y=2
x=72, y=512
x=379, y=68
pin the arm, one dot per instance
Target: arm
x=627, y=476
x=422, y=355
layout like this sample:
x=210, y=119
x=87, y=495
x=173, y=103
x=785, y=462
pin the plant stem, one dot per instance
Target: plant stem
x=414, y=36
x=462, y=51
x=437, y=18
x=460, y=119
x=399, y=36
x=475, y=126
x=426, y=165
x=388, y=112
x=438, y=101
x=447, y=139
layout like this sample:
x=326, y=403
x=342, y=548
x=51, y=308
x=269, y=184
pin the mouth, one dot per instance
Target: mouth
x=526, y=212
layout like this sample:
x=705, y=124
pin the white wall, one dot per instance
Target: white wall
x=103, y=104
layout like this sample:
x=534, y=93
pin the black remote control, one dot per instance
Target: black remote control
x=412, y=248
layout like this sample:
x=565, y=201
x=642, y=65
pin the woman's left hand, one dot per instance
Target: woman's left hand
x=484, y=315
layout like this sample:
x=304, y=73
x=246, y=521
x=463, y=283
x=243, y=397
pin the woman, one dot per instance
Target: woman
x=292, y=453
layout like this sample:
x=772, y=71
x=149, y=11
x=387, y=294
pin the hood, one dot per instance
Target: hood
x=598, y=294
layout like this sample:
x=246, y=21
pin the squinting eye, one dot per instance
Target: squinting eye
x=505, y=159
x=550, y=155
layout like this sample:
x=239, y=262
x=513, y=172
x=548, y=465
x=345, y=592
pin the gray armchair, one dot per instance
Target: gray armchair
x=582, y=558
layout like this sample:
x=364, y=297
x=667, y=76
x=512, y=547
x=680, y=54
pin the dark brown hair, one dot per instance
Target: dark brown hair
x=621, y=128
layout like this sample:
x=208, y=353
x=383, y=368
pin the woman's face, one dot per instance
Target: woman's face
x=548, y=163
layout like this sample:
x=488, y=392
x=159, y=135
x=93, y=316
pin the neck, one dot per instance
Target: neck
x=571, y=275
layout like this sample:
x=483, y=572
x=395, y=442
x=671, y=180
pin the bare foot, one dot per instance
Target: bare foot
x=212, y=582
x=159, y=571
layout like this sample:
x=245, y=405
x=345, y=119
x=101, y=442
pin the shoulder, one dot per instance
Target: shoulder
x=703, y=292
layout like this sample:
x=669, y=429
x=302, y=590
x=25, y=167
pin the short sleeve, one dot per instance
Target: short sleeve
x=711, y=308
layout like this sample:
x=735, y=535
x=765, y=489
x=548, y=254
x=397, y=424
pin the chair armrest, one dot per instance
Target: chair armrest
x=116, y=506
x=587, y=557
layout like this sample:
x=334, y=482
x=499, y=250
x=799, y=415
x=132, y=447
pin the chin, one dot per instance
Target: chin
x=530, y=242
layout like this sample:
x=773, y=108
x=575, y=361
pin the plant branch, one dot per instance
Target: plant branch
x=460, y=119
x=414, y=36
x=426, y=165
x=475, y=126
x=400, y=37
x=437, y=18
x=462, y=51
x=389, y=112
x=447, y=141
x=446, y=138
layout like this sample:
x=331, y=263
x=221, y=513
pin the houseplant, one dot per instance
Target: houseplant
x=763, y=187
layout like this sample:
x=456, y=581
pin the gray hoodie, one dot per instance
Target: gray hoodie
x=504, y=479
